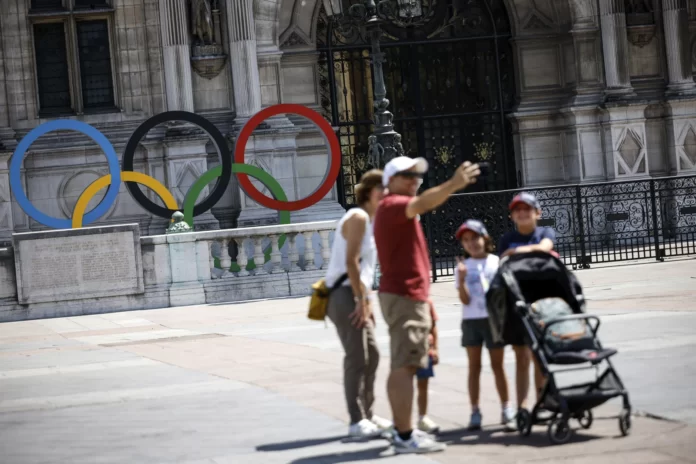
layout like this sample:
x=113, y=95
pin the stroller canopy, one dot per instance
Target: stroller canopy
x=526, y=278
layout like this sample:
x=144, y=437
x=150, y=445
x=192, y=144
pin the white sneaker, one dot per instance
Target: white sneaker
x=364, y=429
x=509, y=419
x=418, y=443
x=428, y=426
x=381, y=423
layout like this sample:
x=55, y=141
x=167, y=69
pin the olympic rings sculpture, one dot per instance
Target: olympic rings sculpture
x=222, y=173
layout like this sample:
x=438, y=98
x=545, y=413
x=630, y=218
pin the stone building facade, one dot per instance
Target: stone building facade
x=549, y=91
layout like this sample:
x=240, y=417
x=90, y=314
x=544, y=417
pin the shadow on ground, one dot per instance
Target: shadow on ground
x=497, y=436
x=455, y=437
x=351, y=456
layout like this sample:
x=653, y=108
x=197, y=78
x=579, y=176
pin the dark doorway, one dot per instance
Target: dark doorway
x=450, y=84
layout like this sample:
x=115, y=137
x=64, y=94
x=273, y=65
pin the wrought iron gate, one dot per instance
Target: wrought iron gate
x=594, y=223
x=450, y=84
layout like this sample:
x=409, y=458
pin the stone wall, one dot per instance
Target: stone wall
x=177, y=270
x=153, y=53
x=593, y=82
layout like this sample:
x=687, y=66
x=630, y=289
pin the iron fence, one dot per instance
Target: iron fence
x=594, y=223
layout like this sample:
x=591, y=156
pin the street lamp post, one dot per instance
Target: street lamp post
x=385, y=142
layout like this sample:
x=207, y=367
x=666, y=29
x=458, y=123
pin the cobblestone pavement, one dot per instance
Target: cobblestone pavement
x=258, y=382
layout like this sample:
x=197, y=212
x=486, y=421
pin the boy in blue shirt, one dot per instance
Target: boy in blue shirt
x=525, y=212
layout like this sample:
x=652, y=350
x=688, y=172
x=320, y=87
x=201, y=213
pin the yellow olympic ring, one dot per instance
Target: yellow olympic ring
x=127, y=176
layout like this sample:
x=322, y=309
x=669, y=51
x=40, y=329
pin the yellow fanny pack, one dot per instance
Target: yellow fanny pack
x=319, y=300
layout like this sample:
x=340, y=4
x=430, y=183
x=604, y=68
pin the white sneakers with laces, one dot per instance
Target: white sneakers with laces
x=364, y=429
x=420, y=442
x=369, y=428
x=382, y=423
x=427, y=425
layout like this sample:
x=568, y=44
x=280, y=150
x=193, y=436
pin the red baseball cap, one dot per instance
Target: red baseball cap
x=524, y=198
x=472, y=225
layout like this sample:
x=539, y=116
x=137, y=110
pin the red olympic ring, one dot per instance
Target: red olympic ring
x=329, y=135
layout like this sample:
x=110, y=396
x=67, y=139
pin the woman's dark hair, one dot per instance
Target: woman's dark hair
x=489, y=246
x=368, y=181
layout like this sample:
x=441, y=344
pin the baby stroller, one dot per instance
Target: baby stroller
x=537, y=292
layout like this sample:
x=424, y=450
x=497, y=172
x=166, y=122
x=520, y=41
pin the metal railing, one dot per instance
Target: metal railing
x=594, y=223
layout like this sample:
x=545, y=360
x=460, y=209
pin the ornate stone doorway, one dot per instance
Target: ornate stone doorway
x=450, y=84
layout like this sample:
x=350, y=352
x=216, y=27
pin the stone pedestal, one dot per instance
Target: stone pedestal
x=186, y=288
x=681, y=135
x=616, y=51
x=681, y=79
x=175, y=48
x=625, y=141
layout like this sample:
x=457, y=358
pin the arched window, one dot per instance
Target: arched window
x=450, y=84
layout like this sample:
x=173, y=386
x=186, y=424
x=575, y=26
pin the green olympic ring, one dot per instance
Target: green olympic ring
x=265, y=178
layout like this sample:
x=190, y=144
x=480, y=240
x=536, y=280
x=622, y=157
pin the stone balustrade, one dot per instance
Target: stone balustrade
x=268, y=250
x=197, y=268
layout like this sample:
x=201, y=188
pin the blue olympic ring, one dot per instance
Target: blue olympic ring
x=65, y=124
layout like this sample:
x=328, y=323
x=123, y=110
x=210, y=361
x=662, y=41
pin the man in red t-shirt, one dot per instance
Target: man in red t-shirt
x=405, y=282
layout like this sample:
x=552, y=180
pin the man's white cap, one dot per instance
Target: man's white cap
x=400, y=164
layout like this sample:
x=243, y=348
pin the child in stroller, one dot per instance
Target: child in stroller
x=537, y=288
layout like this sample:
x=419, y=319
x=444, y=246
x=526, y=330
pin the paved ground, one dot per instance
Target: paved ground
x=258, y=382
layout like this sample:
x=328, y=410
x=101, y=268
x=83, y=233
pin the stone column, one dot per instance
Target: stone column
x=243, y=61
x=7, y=135
x=615, y=47
x=177, y=61
x=587, y=42
x=6, y=222
x=676, y=22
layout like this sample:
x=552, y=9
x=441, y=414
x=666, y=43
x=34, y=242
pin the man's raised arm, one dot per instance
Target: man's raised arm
x=464, y=176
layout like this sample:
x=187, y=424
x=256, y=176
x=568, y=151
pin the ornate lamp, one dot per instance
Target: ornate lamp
x=384, y=143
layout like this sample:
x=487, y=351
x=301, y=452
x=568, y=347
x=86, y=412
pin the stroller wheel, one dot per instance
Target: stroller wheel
x=586, y=420
x=524, y=422
x=625, y=422
x=559, y=431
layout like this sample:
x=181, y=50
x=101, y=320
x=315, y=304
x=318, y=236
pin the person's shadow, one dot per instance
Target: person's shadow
x=455, y=437
x=496, y=435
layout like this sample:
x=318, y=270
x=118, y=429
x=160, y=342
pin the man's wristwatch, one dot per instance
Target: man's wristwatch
x=357, y=299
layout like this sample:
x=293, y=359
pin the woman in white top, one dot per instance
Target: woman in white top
x=350, y=273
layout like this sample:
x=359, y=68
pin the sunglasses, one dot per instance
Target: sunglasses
x=410, y=174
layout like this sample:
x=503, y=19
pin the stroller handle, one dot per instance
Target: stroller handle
x=587, y=317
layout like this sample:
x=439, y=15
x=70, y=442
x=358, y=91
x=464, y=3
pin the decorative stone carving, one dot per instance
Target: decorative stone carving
x=207, y=55
x=641, y=36
x=689, y=147
x=73, y=184
x=632, y=154
x=294, y=40
x=179, y=226
x=202, y=21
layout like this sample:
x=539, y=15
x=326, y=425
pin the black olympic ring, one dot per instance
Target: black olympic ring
x=222, y=149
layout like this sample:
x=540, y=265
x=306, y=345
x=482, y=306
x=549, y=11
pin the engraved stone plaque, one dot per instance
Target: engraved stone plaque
x=76, y=264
